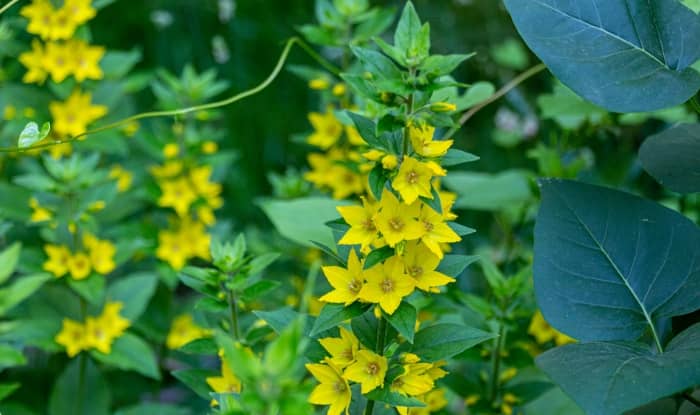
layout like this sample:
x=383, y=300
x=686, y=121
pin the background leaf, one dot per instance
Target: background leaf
x=606, y=262
x=623, y=56
x=673, y=157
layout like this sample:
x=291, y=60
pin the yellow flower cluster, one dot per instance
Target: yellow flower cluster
x=63, y=58
x=189, y=191
x=39, y=213
x=121, y=176
x=544, y=333
x=98, y=256
x=95, y=333
x=184, y=330
x=335, y=169
x=350, y=362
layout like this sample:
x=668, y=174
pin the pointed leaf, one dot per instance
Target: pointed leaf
x=673, y=157
x=442, y=341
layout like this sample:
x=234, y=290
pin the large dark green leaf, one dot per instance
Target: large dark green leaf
x=610, y=265
x=623, y=55
x=610, y=378
x=673, y=157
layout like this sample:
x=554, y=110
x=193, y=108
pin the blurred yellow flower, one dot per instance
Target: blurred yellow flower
x=327, y=129
x=122, y=176
x=34, y=62
x=79, y=266
x=58, y=258
x=71, y=118
x=184, y=330
x=72, y=337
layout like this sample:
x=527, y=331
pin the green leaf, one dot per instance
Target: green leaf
x=92, y=288
x=609, y=265
x=8, y=261
x=116, y=64
x=629, y=56
x=404, y=320
x=460, y=229
x=247, y=365
x=205, y=346
x=490, y=192
x=259, y=289
x=442, y=341
x=394, y=399
x=377, y=63
x=439, y=65
x=333, y=314
x=65, y=393
x=303, y=220
x=22, y=288
x=6, y=389
x=511, y=54
x=626, y=375
x=196, y=379
x=31, y=134
x=367, y=129
x=377, y=256
x=153, y=408
x=453, y=265
x=568, y=109
x=9, y=357
x=259, y=263
x=134, y=291
x=407, y=30
x=129, y=352
x=365, y=328
x=278, y=319
x=377, y=181
x=392, y=51
x=456, y=157
x=671, y=157
x=476, y=94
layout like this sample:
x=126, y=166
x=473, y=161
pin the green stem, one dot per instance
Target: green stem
x=381, y=340
x=496, y=363
x=83, y=366
x=501, y=92
x=695, y=104
x=233, y=309
x=172, y=113
x=690, y=398
x=8, y=5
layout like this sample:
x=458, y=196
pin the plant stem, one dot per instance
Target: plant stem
x=690, y=398
x=7, y=6
x=381, y=340
x=506, y=88
x=233, y=309
x=496, y=362
x=83, y=366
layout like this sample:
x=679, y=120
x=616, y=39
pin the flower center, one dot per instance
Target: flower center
x=387, y=285
x=428, y=226
x=339, y=386
x=412, y=177
x=415, y=271
x=369, y=225
x=372, y=368
x=354, y=286
x=396, y=224
x=347, y=353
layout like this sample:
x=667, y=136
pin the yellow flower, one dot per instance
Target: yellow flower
x=333, y=389
x=72, y=117
x=389, y=162
x=101, y=254
x=58, y=61
x=203, y=186
x=184, y=330
x=97, y=336
x=122, y=177
x=346, y=283
x=421, y=264
x=209, y=147
x=354, y=137
x=39, y=214
x=80, y=11
x=40, y=14
x=72, y=337
x=319, y=84
x=171, y=150
x=543, y=332
x=86, y=60
x=177, y=194
x=130, y=128
x=413, y=180
x=195, y=235
x=396, y=221
x=227, y=382
x=327, y=129
x=59, y=150
x=422, y=140
x=62, y=25
x=111, y=322
x=343, y=349
x=57, y=263
x=79, y=266
x=34, y=62
x=414, y=380
x=436, y=230
x=339, y=90
x=447, y=200
x=360, y=218
x=169, y=169
x=172, y=249
x=368, y=370
x=387, y=284
x=443, y=107
x=9, y=112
